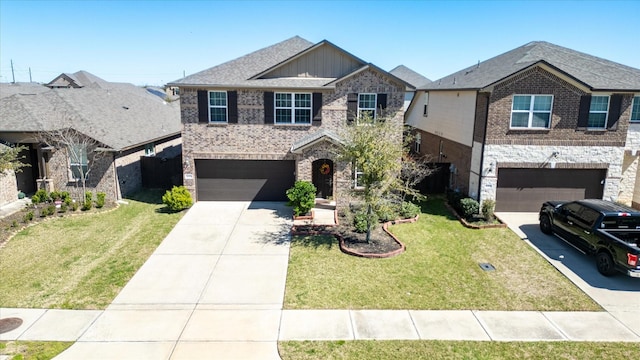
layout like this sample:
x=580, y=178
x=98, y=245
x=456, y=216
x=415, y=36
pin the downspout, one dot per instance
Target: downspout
x=484, y=140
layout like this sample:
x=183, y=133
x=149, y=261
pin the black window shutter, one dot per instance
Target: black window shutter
x=614, y=111
x=268, y=107
x=203, y=106
x=232, y=107
x=381, y=101
x=352, y=107
x=317, y=107
x=583, y=112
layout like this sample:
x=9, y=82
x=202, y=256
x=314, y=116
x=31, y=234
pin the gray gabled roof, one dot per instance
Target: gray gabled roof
x=315, y=138
x=240, y=70
x=253, y=70
x=120, y=117
x=9, y=89
x=594, y=72
x=409, y=76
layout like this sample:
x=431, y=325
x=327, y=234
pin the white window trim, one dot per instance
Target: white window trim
x=72, y=164
x=356, y=175
x=531, y=112
x=293, y=109
x=606, y=117
x=418, y=143
x=226, y=107
x=375, y=102
x=150, y=150
x=636, y=101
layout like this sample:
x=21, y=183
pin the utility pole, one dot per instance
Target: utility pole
x=30, y=80
x=13, y=75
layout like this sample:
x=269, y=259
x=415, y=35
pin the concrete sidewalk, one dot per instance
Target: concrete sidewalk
x=214, y=288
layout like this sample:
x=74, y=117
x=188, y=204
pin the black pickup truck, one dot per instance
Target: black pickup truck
x=605, y=229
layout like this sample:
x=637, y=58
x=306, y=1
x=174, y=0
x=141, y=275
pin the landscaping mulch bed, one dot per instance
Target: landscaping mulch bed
x=382, y=244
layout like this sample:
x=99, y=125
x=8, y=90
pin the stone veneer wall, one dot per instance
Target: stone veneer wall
x=8, y=187
x=577, y=157
x=629, y=192
x=252, y=139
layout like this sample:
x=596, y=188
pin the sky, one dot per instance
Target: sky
x=156, y=42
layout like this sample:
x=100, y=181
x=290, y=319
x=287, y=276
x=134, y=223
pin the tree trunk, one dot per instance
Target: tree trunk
x=369, y=212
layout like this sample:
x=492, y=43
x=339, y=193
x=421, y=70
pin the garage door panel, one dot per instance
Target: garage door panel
x=527, y=189
x=244, y=180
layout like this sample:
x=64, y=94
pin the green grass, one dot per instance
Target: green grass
x=439, y=270
x=36, y=350
x=452, y=350
x=82, y=262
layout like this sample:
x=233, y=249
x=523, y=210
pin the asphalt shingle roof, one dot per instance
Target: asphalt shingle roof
x=238, y=72
x=120, y=117
x=409, y=76
x=594, y=72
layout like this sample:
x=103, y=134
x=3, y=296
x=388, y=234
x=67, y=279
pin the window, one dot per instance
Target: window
x=357, y=178
x=531, y=111
x=635, y=109
x=217, y=106
x=367, y=105
x=598, y=112
x=79, y=162
x=293, y=108
x=418, y=143
x=150, y=149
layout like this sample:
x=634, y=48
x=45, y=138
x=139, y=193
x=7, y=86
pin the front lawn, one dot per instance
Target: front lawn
x=82, y=262
x=428, y=350
x=39, y=350
x=439, y=270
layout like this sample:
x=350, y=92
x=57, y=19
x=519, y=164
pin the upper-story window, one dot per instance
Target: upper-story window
x=293, y=108
x=531, y=111
x=598, y=112
x=367, y=105
x=217, y=106
x=635, y=109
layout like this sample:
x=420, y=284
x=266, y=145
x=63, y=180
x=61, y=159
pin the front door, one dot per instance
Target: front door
x=323, y=177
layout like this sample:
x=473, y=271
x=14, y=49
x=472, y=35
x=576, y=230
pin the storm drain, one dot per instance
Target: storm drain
x=487, y=267
x=8, y=324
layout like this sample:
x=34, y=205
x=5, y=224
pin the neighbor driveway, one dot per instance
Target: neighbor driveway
x=214, y=286
x=619, y=294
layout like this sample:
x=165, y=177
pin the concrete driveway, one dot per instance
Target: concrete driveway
x=619, y=294
x=214, y=286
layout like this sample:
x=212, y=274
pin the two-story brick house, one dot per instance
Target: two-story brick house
x=539, y=122
x=254, y=125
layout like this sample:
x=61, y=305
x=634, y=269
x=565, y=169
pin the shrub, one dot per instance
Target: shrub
x=27, y=217
x=360, y=221
x=74, y=206
x=100, y=199
x=63, y=208
x=177, y=199
x=387, y=212
x=67, y=201
x=54, y=195
x=14, y=223
x=488, y=207
x=88, y=201
x=409, y=210
x=40, y=196
x=468, y=207
x=302, y=196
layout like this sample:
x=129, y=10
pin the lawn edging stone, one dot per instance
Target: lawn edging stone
x=469, y=225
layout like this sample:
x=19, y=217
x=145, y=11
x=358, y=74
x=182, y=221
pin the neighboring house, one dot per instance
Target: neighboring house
x=126, y=121
x=254, y=125
x=539, y=122
x=8, y=185
x=412, y=78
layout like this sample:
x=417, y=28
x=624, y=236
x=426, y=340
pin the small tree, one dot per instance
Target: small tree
x=10, y=158
x=374, y=148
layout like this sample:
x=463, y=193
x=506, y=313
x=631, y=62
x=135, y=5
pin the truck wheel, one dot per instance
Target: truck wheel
x=545, y=224
x=604, y=262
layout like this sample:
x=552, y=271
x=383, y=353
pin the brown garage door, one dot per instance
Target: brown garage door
x=244, y=180
x=527, y=189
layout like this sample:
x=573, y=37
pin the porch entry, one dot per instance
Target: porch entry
x=322, y=174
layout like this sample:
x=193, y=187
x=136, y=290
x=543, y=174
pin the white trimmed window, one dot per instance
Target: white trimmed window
x=293, y=108
x=598, y=111
x=531, y=111
x=367, y=105
x=79, y=162
x=218, y=107
x=635, y=109
x=150, y=149
x=357, y=178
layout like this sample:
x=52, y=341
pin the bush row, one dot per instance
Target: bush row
x=468, y=207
